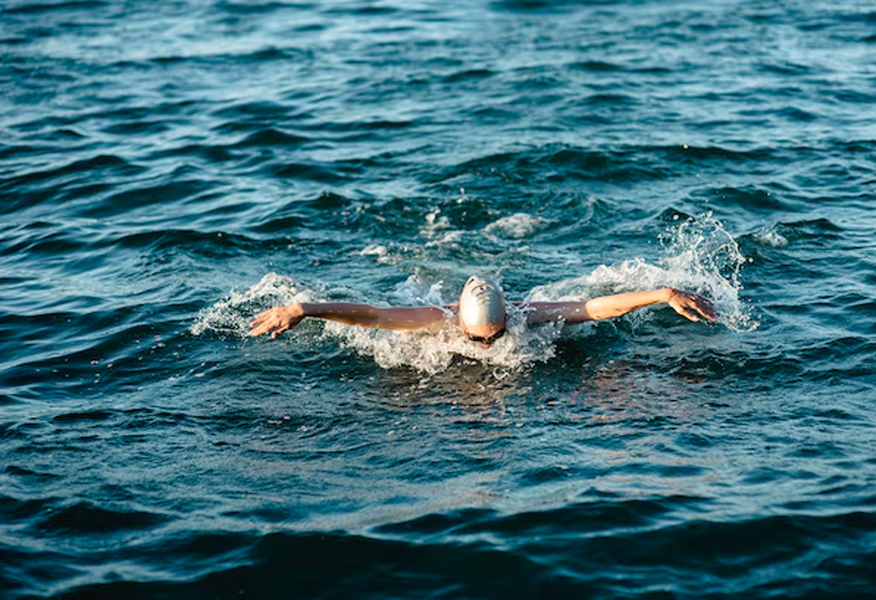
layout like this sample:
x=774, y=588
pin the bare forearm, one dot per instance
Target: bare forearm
x=606, y=307
x=364, y=315
x=617, y=305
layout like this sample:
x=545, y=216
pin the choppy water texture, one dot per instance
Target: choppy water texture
x=169, y=168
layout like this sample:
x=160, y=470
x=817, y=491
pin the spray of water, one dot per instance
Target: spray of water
x=702, y=256
x=698, y=255
x=231, y=316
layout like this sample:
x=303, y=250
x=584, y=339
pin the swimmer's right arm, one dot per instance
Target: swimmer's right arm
x=282, y=318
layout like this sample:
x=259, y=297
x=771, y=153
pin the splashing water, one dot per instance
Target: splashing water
x=700, y=255
x=433, y=352
x=516, y=226
x=232, y=315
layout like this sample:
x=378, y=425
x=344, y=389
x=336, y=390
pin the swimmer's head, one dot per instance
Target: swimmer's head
x=482, y=311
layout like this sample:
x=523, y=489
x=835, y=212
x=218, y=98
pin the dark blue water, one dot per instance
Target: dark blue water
x=170, y=168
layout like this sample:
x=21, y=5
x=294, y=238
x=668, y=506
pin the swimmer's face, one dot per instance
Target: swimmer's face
x=482, y=311
x=485, y=341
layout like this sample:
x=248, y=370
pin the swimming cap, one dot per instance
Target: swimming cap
x=481, y=303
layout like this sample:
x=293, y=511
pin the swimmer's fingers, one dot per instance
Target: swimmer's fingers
x=692, y=306
x=278, y=331
x=263, y=323
x=276, y=320
x=705, y=309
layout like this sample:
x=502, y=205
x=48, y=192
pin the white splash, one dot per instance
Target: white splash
x=769, y=236
x=414, y=291
x=378, y=250
x=232, y=315
x=702, y=256
x=438, y=231
x=435, y=222
x=383, y=254
x=434, y=351
x=516, y=226
x=699, y=256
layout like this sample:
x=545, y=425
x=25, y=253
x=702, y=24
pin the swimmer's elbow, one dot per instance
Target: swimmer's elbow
x=566, y=312
x=580, y=314
x=599, y=310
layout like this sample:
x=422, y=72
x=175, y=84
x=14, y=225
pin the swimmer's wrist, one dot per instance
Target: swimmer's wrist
x=670, y=292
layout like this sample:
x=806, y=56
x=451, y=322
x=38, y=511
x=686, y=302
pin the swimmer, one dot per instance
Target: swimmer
x=480, y=312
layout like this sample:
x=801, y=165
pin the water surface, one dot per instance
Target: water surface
x=168, y=169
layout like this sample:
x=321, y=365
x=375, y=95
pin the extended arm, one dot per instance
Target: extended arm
x=689, y=305
x=282, y=318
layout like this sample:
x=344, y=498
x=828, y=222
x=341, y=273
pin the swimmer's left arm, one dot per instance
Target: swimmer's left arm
x=687, y=304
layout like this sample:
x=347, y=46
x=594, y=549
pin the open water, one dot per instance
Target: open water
x=169, y=168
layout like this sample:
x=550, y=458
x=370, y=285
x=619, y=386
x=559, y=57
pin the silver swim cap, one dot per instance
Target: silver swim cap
x=481, y=303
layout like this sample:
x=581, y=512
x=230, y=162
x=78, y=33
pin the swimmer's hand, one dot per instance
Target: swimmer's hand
x=691, y=306
x=277, y=320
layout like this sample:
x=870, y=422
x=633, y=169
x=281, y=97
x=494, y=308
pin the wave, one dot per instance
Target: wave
x=593, y=549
